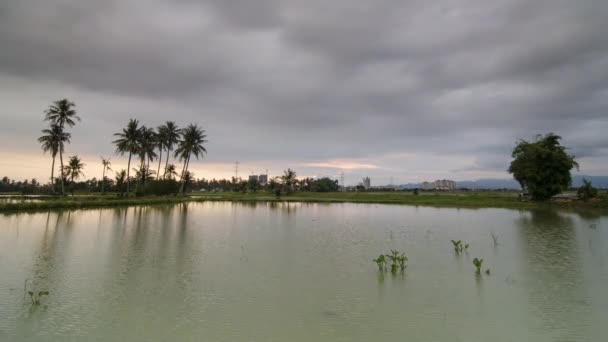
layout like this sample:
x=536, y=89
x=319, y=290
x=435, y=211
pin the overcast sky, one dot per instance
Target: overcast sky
x=413, y=90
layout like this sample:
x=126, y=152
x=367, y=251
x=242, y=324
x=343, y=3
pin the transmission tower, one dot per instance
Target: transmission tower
x=236, y=170
x=342, y=180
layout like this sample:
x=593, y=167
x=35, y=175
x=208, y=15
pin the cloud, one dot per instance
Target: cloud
x=288, y=83
x=342, y=165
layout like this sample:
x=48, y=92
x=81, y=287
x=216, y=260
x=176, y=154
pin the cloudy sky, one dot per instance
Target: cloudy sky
x=409, y=90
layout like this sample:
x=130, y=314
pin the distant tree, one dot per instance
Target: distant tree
x=121, y=179
x=191, y=143
x=52, y=141
x=289, y=180
x=128, y=142
x=147, y=148
x=170, y=137
x=542, y=167
x=586, y=191
x=170, y=171
x=105, y=162
x=74, y=169
x=62, y=113
x=275, y=186
x=253, y=185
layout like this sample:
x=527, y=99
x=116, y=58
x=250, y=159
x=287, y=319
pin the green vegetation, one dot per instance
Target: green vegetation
x=478, y=263
x=542, y=167
x=398, y=261
x=586, y=191
x=488, y=199
x=459, y=247
x=381, y=262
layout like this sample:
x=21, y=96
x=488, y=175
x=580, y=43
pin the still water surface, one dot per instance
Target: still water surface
x=302, y=272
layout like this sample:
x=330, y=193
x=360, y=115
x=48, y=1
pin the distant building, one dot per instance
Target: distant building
x=367, y=183
x=427, y=186
x=443, y=184
x=253, y=178
x=263, y=179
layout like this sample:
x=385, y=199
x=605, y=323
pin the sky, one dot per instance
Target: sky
x=401, y=91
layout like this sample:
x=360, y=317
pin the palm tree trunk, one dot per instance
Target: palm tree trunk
x=160, y=158
x=128, y=173
x=103, y=179
x=61, y=173
x=167, y=162
x=186, y=163
x=53, y=174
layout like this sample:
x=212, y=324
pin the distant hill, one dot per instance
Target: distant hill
x=495, y=183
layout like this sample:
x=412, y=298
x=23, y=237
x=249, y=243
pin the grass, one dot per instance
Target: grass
x=468, y=199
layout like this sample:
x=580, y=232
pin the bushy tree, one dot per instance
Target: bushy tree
x=586, y=191
x=542, y=167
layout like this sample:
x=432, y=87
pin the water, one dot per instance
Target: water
x=302, y=272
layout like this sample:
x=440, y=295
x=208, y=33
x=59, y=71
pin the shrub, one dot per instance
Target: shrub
x=586, y=191
x=161, y=187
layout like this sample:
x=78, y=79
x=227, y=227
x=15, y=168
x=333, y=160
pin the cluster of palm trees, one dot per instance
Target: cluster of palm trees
x=134, y=140
x=60, y=114
x=144, y=143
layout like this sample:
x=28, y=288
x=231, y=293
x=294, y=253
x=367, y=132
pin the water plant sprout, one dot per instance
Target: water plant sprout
x=397, y=260
x=381, y=262
x=459, y=247
x=478, y=263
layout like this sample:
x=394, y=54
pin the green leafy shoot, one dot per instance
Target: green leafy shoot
x=381, y=262
x=478, y=263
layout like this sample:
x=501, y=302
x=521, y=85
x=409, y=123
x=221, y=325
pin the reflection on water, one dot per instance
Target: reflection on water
x=226, y=271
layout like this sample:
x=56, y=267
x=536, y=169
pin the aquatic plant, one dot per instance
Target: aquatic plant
x=458, y=246
x=402, y=260
x=397, y=259
x=381, y=262
x=478, y=262
x=36, y=296
x=488, y=271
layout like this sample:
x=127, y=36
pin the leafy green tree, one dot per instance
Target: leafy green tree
x=107, y=166
x=128, y=142
x=52, y=141
x=253, y=185
x=62, y=113
x=542, y=167
x=289, y=180
x=192, y=143
x=586, y=191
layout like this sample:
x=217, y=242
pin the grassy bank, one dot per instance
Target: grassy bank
x=469, y=199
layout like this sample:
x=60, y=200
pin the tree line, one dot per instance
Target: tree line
x=135, y=140
x=542, y=167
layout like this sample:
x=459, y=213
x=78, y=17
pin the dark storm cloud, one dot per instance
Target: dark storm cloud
x=329, y=79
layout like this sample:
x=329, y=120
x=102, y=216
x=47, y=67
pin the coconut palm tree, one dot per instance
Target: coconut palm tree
x=171, y=171
x=171, y=135
x=53, y=140
x=147, y=147
x=191, y=143
x=74, y=168
x=128, y=142
x=106, y=167
x=161, y=134
x=61, y=113
x=121, y=178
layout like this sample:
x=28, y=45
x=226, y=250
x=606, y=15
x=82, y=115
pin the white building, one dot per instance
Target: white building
x=367, y=183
